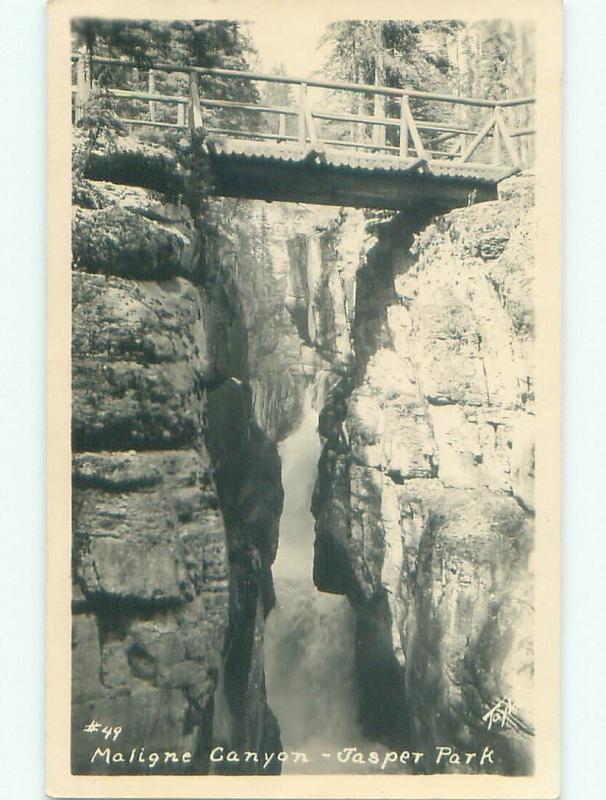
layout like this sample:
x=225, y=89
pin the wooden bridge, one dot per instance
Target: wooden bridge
x=442, y=150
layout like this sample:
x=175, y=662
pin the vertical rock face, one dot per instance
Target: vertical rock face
x=192, y=345
x=247, y=470
x=424, y=498
x=288, y=262
x=176, y=488
x=150, y=560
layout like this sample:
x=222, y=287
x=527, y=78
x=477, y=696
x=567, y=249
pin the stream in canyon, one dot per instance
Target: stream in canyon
x=309, y=635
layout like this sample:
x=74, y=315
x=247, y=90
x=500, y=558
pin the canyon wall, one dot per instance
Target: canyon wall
x=195, y=332
x=424, y=501
x=176, y=486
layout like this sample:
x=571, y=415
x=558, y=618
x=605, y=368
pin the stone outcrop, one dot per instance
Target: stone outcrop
x=176, y=488
x=424, y=498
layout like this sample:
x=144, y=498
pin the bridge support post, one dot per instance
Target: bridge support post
x=83, y=85
x=151, y=88
x=302, y=106
x=315, y=149
x=379, y=131
x=496, y=139
x=281, y=127
x=506, y=138
x=196, y=111
x=403, y=127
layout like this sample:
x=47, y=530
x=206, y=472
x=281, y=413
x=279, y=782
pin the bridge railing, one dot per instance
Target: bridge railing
x=428, y=127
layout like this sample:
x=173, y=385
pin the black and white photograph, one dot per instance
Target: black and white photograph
x=309, y=430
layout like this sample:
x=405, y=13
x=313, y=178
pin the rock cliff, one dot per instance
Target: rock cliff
x=195, y=331
x=424, y=499
x=176, y=487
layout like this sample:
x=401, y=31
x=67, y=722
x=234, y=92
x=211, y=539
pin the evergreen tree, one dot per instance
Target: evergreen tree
x=496, y=58
x=484, y=59
x=202, y=43
x=279, y=94
x=392, y=53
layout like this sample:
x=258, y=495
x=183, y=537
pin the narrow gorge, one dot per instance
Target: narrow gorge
x=303, y=472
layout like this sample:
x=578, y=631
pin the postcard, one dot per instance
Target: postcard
x=303, y=399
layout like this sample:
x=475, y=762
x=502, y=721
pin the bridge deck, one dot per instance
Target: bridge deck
x=270, y=171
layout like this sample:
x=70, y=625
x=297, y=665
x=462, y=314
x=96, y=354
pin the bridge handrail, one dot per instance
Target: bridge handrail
x=409, y=127
x=293, y=112
x=366, y=88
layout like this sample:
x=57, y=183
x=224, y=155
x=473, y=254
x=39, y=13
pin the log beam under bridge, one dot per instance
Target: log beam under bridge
x=253, y=171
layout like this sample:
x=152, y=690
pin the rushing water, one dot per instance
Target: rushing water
x=309, y=636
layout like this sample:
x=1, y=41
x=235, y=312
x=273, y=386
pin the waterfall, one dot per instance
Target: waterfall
x=309, y=636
